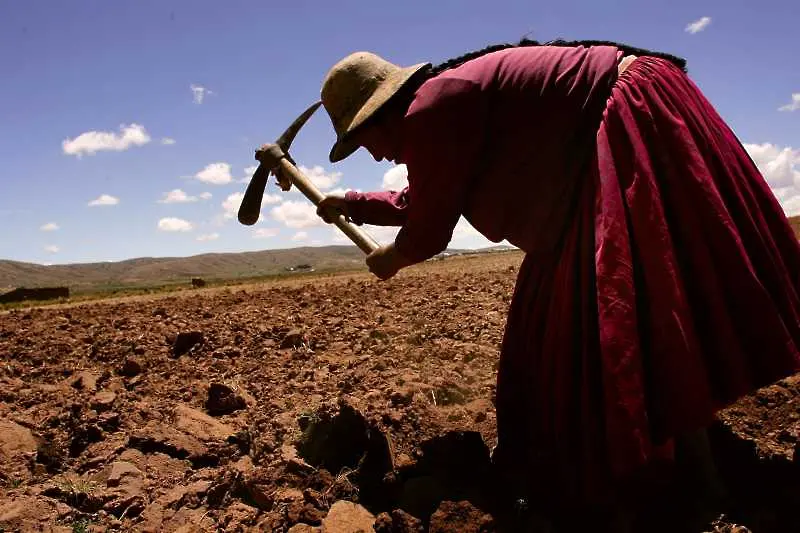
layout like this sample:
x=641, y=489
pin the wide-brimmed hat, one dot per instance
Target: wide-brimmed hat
x=354, y=89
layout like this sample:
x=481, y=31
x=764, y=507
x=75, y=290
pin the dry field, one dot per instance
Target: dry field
x=273, y=406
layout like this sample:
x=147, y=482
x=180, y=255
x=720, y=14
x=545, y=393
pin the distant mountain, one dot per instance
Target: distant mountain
x=152, y=271
x=795, y=222
x=146, y=271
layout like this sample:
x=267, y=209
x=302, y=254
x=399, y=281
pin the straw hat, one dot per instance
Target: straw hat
x=354, y=89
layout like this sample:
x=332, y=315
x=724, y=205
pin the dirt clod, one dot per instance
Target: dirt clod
x=206, y=411
x=460, y=516
x=187, y=341
x=347, y=517
x=130, y=368
x=293, y=339
x=223, y=400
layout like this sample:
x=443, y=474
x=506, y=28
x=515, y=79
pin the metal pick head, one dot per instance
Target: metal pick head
x=285, y=140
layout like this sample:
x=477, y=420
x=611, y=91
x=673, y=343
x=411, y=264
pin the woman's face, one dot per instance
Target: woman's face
x=381, y=137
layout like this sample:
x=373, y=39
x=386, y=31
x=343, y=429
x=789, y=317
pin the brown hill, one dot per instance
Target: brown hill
x=153, y=271
x=795, y=222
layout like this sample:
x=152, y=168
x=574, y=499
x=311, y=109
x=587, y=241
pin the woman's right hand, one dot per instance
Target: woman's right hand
x=331, y=207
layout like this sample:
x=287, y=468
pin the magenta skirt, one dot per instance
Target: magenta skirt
x=674, y=292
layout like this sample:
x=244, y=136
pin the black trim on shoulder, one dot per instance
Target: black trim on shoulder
x=626, y=49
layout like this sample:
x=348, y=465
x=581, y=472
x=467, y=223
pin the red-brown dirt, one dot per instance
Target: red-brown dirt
x=271, y=407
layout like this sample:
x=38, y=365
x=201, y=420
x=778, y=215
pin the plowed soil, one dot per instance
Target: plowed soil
x=269, y=407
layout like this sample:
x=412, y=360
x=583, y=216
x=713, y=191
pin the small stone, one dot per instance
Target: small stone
x=402, y=397
x=187, y=341
x=260, y=494
x=121, y=470
x=125, y=494
x=131, y=367
x=404, y=462
x=292, y=459
x=168, y=440
x=303, y=528
x=200, y=425
x=27, y=513
x=15, y=440
x=460, y=516
x=293, y=339
x=398, y=521
x=238, y=515
x=17, y=443
x=348, y=517
x=84, y=380
x=102, y=401
x=223, y=400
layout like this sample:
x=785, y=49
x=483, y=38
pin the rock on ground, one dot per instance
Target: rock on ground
x=348, y=517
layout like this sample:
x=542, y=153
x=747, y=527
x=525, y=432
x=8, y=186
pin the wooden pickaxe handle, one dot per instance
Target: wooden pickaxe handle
x=359, y=237
x=273, y=156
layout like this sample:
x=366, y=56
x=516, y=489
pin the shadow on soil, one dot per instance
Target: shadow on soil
x=451, y=486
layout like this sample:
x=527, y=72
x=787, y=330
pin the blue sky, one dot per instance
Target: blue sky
x=117, y=104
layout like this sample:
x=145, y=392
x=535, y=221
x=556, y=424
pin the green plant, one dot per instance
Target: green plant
x=81, y=526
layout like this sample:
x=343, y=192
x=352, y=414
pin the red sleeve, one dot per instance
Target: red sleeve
x=443, y=137
x=384, y=208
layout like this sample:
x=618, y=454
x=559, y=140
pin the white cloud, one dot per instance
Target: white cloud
x=265, y=233
x=319, y=177
x=215, y=174
x=778, y=165
x=382, y=234
x=167, y=141
x=794, y=105
x=177, y=196
x=231, y=204
x=698, y=25
x=340, y=191
x=205, y=195
x=208, y=237
x=465, y=229
x=396, y=178
x=104, y=199
x=50, y=226
x=199, y=93
x=300, y=236
x=174, y=224
x=297, y=215
x=248, y=174
x=791, y=205
x=270, y=199
x=464, y=236
x=91, y=142
x=52, y=249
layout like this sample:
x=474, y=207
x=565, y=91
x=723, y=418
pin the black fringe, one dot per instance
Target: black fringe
x=626, y=49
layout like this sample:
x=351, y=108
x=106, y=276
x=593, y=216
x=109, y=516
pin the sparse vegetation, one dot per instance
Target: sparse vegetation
x=14, y=483
x=74, y=490
x=81, y=526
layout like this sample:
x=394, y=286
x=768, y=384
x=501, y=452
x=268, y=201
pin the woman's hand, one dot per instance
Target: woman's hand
x=331, y=207
x=386, y=261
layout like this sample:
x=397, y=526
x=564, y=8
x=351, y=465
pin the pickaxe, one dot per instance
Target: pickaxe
x=275, y=159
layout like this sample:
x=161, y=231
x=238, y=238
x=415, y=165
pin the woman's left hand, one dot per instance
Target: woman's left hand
x=386, y=261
